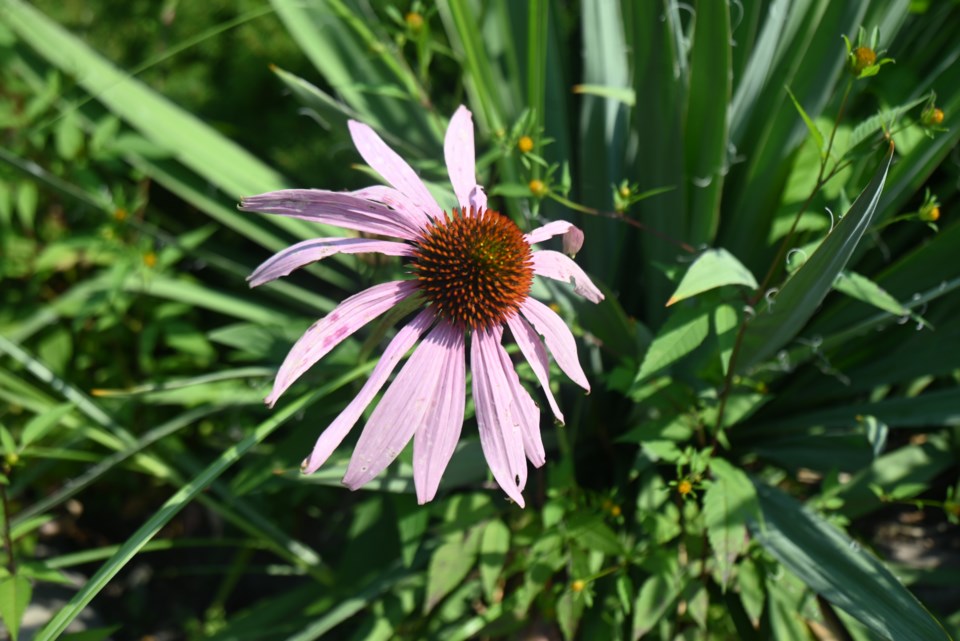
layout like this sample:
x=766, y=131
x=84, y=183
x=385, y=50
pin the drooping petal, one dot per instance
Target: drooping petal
x=309, y=251
x=392, y=167
x=532, y=349
x=341, y=209
x=349, y=316
x=572, y=236
x=500, y=435
x=435, y=441
x=396, y=200
x=557, y=266
x=458, y=151
x=331, y=437
x=412, y=397
x=558, y=338
x=478, y=199
x=525, y=412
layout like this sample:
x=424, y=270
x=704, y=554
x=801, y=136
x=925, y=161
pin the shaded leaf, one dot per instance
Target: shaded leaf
x=713, y=268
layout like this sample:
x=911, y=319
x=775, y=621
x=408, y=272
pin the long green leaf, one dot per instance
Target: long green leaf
x=177, y=502
x=796, y=303
x=837, y=568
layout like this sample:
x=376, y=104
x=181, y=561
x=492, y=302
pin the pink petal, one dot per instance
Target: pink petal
x=413, y=396
x=393, y=168
x=558, y=338
x=309, y=251
x=557, y=266
x=532, y=349
x=403, y=206
x=435, y=441
x=349, y=316
x=500, y=435
x=458, y=151
x=572, y=236
x=478, y=199
x=332, y=208
x=525, y=412
x=331, y=437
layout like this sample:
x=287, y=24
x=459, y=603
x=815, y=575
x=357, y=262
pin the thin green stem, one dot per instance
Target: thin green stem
x=7, y=539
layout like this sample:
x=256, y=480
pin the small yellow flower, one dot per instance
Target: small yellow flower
x=684, y=487
x=863, y=57
x=120, y=214
x=625, y=191
x=578, y=585
x=537, y=188
x=414, y=21
x=150, y=259
x=933, y=117
x=930, y=214
x=615, y=511
x=525, y=144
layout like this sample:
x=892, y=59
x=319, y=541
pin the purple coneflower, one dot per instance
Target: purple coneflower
x=472, y=271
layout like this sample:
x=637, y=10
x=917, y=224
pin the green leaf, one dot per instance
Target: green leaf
x=590, y=532
x=781, y=320
x=449, y=566
x=837, y=568
x=683, y=332
x=729, y=503
x=40, y=424
x=27, y=197
x=863, y=289
x=725, y=324
x=569, y=610
x=68, y=136
x=14, y=596
x=713, y=268
x=707, y=118
x=493, y=554
x=811, y=126
x=411, y=525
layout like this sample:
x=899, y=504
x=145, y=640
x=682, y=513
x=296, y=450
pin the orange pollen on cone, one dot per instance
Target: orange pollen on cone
x=474, y=267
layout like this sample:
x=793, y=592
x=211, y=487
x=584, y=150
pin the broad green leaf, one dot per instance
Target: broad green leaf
x=449, y=566
x=863, y=289
x=590, y=532
x=781, y=320
x=749, y=579
x=411, y=525
x=14, y=597
x=713, y=268
x=494, y=546
x=725, y=324
x=729, y=503
x=683, y=332
x=569, y=610
x=837, y=568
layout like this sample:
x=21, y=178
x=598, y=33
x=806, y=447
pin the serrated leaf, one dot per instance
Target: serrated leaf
x=713, y=268
x=494, y=546
x=37, y=427
x=14, y=596
x=682, y=333
x=837, y=568
x=729, y=503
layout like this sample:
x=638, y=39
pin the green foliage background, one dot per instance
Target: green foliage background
x=758, y=459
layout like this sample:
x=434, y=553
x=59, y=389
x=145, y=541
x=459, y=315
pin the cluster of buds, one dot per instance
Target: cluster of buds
x=864, y=59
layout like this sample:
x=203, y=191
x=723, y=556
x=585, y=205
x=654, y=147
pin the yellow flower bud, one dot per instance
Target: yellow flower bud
x=863, y=57
x=684, y=487
x=578, y=585
x=150, y=259
x=414, y=21
x=537, y=188
x=525, y=144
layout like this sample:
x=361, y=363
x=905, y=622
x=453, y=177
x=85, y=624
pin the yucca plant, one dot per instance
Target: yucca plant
x=765, y=191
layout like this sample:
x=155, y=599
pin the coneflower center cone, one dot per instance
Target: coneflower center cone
x=474, y=267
